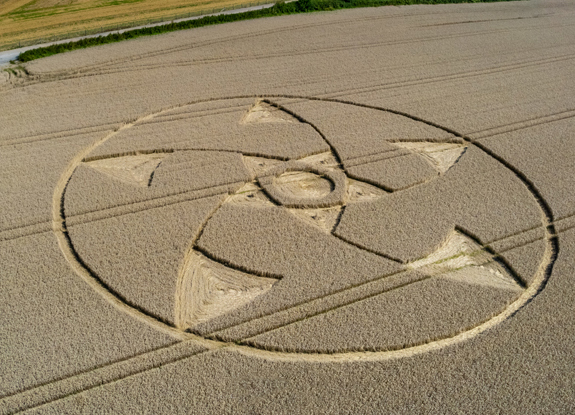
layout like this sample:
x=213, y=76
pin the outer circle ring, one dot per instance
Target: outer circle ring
x=66, y=246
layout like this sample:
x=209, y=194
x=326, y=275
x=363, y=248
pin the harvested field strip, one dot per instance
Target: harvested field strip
x=277, y=9
x=333, y=94
x=347, y=350
x=295, y=27
x=90, y=18
x=37, y=23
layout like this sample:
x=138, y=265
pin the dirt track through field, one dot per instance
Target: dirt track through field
x=365, y=211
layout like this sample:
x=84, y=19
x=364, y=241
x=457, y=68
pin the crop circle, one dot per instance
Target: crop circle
x=217, y=283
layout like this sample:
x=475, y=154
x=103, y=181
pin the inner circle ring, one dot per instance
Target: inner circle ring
x=334, y=197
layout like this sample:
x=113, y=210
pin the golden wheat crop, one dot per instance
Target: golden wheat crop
x=364, y=211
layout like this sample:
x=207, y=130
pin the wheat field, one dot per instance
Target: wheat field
x=363, y=211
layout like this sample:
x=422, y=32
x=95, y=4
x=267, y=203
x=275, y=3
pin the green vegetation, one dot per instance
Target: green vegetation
x=301, y=6
x=16, y=70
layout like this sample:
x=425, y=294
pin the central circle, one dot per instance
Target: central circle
x=298, y=185
x=303, y=184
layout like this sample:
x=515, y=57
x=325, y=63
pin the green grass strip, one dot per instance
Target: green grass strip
x=278, y=9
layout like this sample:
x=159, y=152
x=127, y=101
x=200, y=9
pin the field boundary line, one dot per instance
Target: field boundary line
x=59, y=389
x=60, y=134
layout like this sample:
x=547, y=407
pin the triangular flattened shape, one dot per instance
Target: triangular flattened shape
x=209, y=289
x=259, y=165
x=323, y=160
x=135, y=170
x=488, y=275
x=303, y=184
x=442, y=156
x=463, y=259
x=250, y=194
x=358, y=191
x=324, y=219
x=262, y=112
